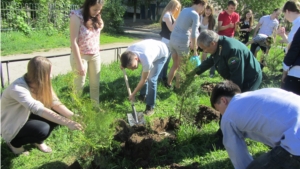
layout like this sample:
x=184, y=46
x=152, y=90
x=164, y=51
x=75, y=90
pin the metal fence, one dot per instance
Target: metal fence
x=117, y=53
x=13, y=14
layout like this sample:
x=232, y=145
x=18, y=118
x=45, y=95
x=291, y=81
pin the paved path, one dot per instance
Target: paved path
x=61, y=65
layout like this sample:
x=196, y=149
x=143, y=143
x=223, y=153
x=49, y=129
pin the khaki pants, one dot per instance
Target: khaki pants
x=92, y=63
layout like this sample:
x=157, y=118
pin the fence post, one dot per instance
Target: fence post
x=7, y=71
x=2, y=78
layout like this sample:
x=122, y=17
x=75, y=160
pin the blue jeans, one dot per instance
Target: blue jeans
x=164, y=72
x=277, y=158
x=150, y=87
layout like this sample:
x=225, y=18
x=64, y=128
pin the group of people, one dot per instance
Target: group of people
x=263, y=109
x=30, y=108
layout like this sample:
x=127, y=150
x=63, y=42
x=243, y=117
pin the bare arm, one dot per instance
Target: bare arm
x=141, y=83
x=59, y=107
x=249, y=42
x=56, y=118
x=220, y=27
x=274, y=34
x=256, y=29
x=169, y=23
x=74, y=32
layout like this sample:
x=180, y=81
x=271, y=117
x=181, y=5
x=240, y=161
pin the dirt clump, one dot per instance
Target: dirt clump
x=207, y=87
x=192, y=166
x=206, y=115
x=138, y=142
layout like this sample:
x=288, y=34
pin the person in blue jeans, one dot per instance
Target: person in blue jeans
x=152, y=55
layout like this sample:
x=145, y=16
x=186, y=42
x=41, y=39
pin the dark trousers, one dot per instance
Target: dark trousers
x=292, y=84
x=255, y=45
x=277, y=158
x=35, y=130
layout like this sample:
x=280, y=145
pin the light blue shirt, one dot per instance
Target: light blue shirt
x=188, y=18
x=268, y=25
x=270, y=116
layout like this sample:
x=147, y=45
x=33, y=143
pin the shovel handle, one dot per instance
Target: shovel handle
x=126, y=81
x=134, y=114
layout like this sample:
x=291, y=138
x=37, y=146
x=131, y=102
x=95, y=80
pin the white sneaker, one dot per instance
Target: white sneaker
x=17, y=151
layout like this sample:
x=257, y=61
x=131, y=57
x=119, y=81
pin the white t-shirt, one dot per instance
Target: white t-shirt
x=148, y=51
x=202, y=26
x=295, y=70
x=268, y=25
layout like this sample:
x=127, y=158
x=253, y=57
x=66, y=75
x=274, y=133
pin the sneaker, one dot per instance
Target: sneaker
x=149, y=111
x=43, y=147
x=16, y=150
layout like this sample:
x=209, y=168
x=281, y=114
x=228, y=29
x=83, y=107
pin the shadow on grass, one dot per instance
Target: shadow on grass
x=55, y=164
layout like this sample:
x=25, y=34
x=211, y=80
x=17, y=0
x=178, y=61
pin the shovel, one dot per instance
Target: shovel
x=134, y=117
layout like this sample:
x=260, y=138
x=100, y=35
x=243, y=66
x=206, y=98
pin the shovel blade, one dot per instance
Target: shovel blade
x=132, y=121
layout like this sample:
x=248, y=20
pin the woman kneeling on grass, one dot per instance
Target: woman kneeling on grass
x=30, y=109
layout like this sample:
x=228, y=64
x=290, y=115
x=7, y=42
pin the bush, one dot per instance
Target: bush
x=112, y=15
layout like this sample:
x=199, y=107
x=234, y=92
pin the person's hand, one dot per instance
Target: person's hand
x=131, y=97
x=284, y=74
x=281, y=31
x=81, y=70
x=249, y=29
x=74, y=126
x=231, y=25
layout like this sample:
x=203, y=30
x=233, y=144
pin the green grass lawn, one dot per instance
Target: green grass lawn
x=17, y=42
x=97, y=139
x=68, y=146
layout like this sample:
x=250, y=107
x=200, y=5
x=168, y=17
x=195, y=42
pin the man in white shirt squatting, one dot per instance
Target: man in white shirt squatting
x=270, y=116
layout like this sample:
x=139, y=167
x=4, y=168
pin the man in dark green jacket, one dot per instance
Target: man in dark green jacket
x=231, y=58
x=233, y=61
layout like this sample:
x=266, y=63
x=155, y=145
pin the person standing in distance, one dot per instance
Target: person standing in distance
x=228, y=20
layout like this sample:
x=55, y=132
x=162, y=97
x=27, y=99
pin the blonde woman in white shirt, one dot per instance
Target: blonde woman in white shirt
x=30, y=109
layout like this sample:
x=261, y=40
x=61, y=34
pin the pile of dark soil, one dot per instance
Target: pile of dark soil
x=139, y=141
x=144, y=146
x=207, y=87
x=206, y=115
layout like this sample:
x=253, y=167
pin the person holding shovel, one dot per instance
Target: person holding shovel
x=152, y=55
x=269, y=115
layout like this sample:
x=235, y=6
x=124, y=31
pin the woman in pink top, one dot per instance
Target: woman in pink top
x=85, y=27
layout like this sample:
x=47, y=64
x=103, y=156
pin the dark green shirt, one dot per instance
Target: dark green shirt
x=233, y=61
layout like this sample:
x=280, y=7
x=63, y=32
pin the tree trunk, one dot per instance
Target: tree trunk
x=134, y=10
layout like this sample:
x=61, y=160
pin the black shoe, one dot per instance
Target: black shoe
x=149, y=110
x=141, y=98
